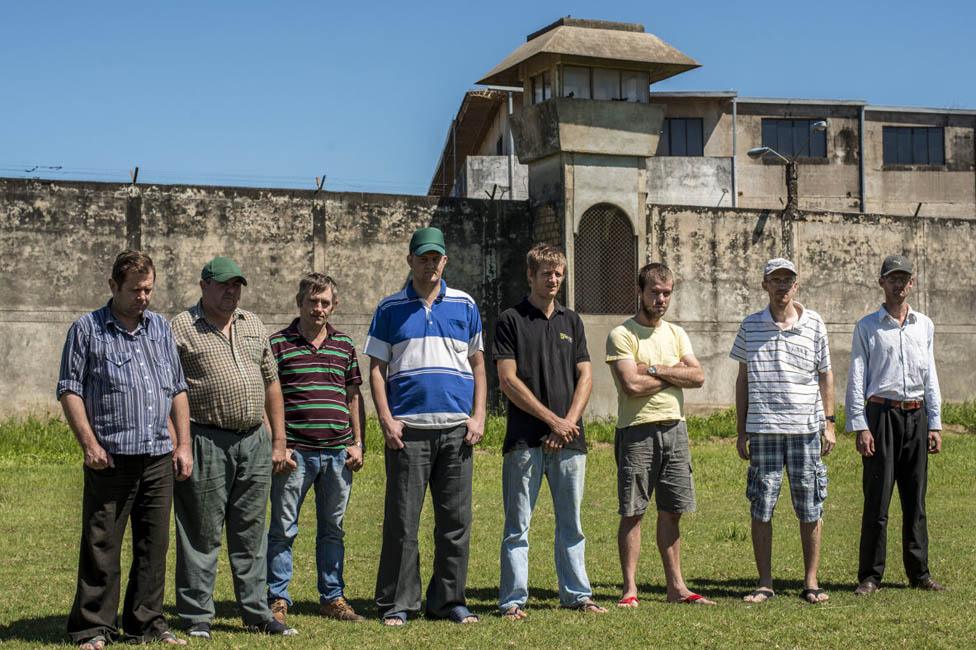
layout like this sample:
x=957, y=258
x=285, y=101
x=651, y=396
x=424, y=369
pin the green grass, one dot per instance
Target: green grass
x=40, y=497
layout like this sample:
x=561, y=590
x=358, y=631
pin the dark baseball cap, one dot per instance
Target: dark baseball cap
x=222, y=269
x=426, y=240
x=895, y=263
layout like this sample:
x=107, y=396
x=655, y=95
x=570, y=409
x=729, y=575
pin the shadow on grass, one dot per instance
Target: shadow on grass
x=737, y=587
x=43, y=629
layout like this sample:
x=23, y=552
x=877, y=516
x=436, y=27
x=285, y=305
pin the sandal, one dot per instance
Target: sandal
x=395, y=619
x=515, y=613
x=629, y=602
x=816, y=593
x=760, y=595
x=587, y=606
x=97, y=642
x=461, y=615
x=693, y=599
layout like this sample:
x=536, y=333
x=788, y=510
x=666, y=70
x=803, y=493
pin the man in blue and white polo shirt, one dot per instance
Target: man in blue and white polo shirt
x=784, y=386
x=427, y=377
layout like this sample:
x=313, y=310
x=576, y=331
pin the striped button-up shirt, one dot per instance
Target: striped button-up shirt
x=893, y=361
x=313, y=383
x=127, y=380
x=226, y=378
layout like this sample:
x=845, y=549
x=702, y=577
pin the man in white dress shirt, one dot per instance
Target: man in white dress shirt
x=894, y=406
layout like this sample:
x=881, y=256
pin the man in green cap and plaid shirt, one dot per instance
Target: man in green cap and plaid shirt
x=233, y=381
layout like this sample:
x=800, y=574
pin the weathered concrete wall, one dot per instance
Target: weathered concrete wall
x=483, y=174
x=689, y=180
x=58, y=241
x=942, y=190
x=717, y=257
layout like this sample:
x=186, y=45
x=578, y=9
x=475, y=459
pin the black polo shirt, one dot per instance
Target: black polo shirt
x=546, y=351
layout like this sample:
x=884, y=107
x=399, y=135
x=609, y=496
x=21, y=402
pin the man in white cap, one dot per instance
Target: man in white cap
x=784, y=386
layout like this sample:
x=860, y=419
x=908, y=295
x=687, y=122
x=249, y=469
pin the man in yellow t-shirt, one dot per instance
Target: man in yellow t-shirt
x=651, y=362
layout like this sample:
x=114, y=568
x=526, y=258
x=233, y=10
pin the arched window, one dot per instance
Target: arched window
x=605, y=262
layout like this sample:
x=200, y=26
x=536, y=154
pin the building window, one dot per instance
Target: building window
x=635, y=86
x=683, y=136
x=606, y=83
x=541, y=87
x=605, y=262
x=794, y=138
x=576, y=82
x=913, y=145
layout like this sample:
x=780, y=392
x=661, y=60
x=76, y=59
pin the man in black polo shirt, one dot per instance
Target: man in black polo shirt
x=544, y=370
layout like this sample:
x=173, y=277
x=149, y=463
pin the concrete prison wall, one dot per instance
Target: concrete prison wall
x=58, y=241
x=717, y=256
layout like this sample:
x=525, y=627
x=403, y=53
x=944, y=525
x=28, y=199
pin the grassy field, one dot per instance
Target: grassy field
x=40, y=496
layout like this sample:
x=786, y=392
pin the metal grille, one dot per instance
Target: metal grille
x=605, y=262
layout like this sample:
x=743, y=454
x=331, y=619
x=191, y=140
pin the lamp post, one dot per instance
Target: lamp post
x=791, y=174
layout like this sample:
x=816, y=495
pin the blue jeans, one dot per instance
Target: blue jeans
x=522, y=472
x=326, y=470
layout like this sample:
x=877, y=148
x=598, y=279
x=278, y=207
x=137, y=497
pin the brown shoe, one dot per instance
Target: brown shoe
x=279, y=609
x=928, y=585
x=340, y=610
x=866, y=588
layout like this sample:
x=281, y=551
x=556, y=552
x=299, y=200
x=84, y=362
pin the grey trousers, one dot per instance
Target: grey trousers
x=440, y=458
x=230, y=483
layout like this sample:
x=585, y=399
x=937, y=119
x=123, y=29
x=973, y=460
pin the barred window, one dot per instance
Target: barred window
x=605, y=262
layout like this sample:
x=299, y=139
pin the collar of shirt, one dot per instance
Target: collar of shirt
x=767, y=315
x=412, y=293
x=295, y=331
x=145, y=325
x=883, y=314
x=557, y=308
x=196, y=311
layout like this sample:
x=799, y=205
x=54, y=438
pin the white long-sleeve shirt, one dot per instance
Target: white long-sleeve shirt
x=893, y=361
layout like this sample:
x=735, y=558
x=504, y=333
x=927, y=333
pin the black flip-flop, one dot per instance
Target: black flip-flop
x=806, y=593
x=768, y=594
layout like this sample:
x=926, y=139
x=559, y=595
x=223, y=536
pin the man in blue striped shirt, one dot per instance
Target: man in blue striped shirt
x=120, y=381
x=784, y=386
x=427, y=377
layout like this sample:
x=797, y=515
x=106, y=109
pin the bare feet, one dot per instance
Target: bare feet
x=94, y=643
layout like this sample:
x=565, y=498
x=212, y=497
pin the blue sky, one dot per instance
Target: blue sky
x=274, y=94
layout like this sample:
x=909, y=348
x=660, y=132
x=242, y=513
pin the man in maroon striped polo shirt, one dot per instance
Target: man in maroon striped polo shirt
x=324, y=420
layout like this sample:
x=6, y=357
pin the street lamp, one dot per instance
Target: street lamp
x=791, y=175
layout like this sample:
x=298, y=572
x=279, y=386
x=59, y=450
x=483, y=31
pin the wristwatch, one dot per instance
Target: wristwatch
x=830, y=418
x=652, y=370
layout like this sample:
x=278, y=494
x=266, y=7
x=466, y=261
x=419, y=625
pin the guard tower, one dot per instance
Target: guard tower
x=585, y=131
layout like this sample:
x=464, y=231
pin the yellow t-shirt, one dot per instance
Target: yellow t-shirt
x=663, y=345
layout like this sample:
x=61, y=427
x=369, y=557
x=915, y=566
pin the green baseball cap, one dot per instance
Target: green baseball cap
x=426, y=240
x=222, y=269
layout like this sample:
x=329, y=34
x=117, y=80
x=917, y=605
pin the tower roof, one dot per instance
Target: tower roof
x=594, y=42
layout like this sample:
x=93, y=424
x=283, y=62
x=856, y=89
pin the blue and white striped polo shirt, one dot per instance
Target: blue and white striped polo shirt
x=784, y=369
x=429, y=383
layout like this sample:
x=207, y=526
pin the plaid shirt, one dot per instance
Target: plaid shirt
x=226, y=378
x=126, y=379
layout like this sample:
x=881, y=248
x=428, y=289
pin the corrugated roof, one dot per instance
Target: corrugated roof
x=636, y=49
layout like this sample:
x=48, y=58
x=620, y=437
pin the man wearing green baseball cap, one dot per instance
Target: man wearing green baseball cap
x=233, y=382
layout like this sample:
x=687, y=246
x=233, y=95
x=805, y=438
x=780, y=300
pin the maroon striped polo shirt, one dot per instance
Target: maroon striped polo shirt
x=314, y=382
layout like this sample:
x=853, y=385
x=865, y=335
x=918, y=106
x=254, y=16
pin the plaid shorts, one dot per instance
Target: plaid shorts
x=800, y=454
